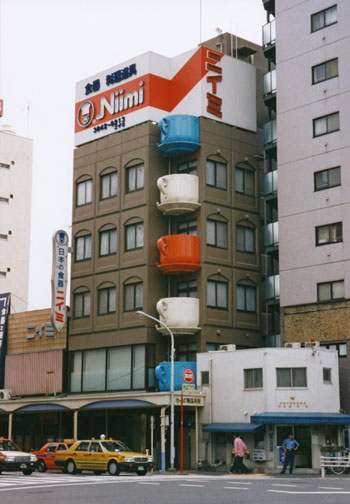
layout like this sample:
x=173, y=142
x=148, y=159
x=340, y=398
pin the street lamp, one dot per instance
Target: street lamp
x=172, y=447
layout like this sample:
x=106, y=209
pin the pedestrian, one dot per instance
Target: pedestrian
x=234, y=461
x=240, y=448
x=290, y=446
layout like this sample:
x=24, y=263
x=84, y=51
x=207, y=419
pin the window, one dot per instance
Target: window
x=4, y=165
x=245, y=239
x=291, y=377
x=326, y=179
x=217, y=233
x=326, y=124
x=82, y=304
x=94, y=370
x=186, y=352
x=329, y=291
x=213, y=347
x=108, y=242
x=134, y=236
x=4, y=200
x=327, y=375
x=187, y=227
x=106, y=300
x=135, y=178
x=216, y=174
x=325, y=71
x=109, y=185
x=187, y=289
x=253, y=378
x=190, y=167
x=244, y=181
x=133, y=296
x=83, y=247
x=331, y=233
x=217, y=294
x=323, y=18
x=246, y=298
x=205, y=377
x=340, y=347
x=84, y=445
x=84, y=192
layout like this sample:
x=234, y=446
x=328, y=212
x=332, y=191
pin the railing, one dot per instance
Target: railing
x=270, y=132
x=338, y=464
x=270, y=182
x=269, y=34
x=270, y=86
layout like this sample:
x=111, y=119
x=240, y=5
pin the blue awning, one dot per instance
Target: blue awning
x=42, y=407
x=122, y=403
x=233, y=427
x=301, y=418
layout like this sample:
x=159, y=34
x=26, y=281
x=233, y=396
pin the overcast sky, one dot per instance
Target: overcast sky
x=49, y=45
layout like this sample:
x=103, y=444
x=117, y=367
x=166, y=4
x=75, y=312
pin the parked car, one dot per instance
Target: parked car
x=101, y=456
x=47, y=453
x=13, y=459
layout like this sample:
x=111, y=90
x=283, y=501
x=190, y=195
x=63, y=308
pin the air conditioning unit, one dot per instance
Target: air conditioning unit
x=312, y=344
x=5, y=394
x=292, y=345
x=228, y=348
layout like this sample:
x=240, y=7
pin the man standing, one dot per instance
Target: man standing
x=240, y=448
x=290, y=445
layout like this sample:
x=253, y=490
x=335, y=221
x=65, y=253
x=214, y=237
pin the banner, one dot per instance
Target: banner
x=59, y=279
x=5, y=300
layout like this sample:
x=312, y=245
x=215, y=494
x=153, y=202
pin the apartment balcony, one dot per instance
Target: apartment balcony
x=271, y=183
x=272, y=289
x=269, y=6
x=271, y=235
x=270, y=138
x=179, y=135
x=180, y=314
x=178, y=194
x=270, y=89
x=179, y=254
x=269, y=40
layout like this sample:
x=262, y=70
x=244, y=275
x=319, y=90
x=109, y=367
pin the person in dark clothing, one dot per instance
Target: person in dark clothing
x=290, y=445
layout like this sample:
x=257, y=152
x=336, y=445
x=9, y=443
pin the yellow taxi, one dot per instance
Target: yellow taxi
x=101, y=456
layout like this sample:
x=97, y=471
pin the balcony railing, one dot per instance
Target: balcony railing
x=270, y=83
x=272, y=287
x=271, y=234
x=270, y=133
x=178, y=254
x=270, y=182
x=180, y=314
x=269, y=34
x=178, y=194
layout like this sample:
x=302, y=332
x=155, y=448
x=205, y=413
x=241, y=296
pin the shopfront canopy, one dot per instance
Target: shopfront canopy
x=233, y=427
x=120, y=403
x=39, y=407
x=300, y=418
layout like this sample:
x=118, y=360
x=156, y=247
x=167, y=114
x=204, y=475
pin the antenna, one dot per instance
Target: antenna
x=200, y=21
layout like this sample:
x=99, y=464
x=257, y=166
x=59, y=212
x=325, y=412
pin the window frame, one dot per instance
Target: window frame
x=245, y=172
x=327, y=170
x=331, y=284
x=135, y=168
x=108, y=232
x=134, y=225
x=189, y=225
x=337, y=225
x=240, y=227
x=216, y=224
x=251, y=289
x=328, y=132
x=84, y=295
x=328, y=62
x=108, y=290
x=133, y=286
x=215, y=172
x=255, y=380
x=188, y=169
x=323, y=11
x=216, y=282
x=291, y=378
x=187, y=288
x=325, y=380
x=83, y=237
x=108, y=176
x=85, y=182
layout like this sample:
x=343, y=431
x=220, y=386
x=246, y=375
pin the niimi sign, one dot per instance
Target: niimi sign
x=201, y=82
x=59, y=279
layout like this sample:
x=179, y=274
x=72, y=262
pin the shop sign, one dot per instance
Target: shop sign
x=292, y=403
x=5, y=301
x=59, y=279
x=39, y=331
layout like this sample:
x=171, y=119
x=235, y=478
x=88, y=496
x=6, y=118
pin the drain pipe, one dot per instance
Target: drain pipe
x=162, y=437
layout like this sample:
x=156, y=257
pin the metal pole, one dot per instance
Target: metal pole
x=172, y=447
x=182, y=428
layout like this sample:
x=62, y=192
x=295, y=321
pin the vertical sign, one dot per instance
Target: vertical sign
x=59, y=279
x=4, y=312
x=1, y=108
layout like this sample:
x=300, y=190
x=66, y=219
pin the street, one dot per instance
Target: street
x=172, y=489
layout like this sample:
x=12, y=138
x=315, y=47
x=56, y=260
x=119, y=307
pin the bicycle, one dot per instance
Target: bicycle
x=343, y=459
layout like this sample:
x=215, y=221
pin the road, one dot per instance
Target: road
x=172, y=489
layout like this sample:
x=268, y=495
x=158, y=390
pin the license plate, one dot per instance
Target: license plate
x=23, y=466
x=140, y=468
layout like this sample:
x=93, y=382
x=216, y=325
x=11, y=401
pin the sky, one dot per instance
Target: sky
x=49, y=45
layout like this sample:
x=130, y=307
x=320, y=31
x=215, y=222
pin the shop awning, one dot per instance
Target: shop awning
x=42, y=407
x=233, y=427
x=300, y=418
x=122, y=403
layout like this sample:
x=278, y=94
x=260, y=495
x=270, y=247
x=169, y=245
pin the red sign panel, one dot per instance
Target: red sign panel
x=188, y=375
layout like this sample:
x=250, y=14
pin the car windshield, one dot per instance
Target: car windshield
x=6, y=445
x=113, y=446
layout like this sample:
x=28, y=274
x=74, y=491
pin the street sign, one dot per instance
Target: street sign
x=188, y=387
x=188, y=375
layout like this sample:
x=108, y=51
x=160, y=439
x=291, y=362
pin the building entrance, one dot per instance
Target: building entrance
x=302, y=433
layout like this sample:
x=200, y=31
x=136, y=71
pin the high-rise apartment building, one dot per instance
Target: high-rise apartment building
x=307, y=44
x=16, y=159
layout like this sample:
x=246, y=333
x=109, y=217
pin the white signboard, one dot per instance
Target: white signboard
x=59, y=279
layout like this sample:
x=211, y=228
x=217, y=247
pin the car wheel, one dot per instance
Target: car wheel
x=27, y=472
x=141, y=473
x=70, y=467
x=113, y=468
x=41, y=466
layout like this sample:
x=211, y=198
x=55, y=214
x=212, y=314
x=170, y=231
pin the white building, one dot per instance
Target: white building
x=16, y=159
x=265, y=394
